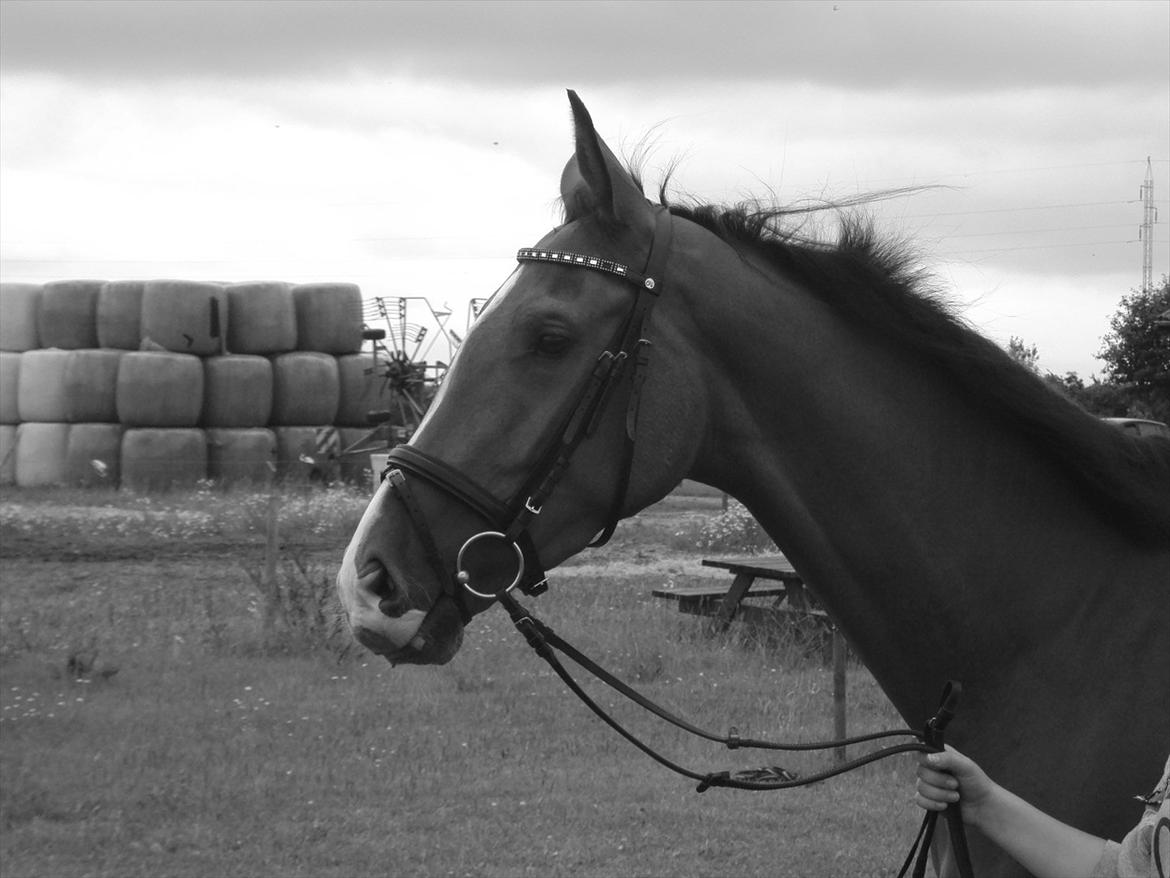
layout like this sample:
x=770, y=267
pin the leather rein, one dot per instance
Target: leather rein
x=510, y=520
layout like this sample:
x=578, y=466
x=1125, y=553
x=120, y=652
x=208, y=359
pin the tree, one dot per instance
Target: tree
x=1101, y=398
x=1028, y=356
x=1136, y=351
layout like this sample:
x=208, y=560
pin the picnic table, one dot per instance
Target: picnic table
x=765, y=576
x=757, y=576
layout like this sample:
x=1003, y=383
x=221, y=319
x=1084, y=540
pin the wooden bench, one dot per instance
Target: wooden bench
x=709, y=600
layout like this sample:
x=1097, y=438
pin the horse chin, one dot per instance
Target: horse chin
x=438, y=639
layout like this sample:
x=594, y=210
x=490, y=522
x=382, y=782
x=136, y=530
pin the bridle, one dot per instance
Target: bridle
x=510, y=521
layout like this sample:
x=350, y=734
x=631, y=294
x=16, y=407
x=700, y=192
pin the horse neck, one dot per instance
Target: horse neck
x=915, y=515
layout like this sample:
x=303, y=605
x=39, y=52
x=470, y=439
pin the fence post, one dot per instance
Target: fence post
x=268, y=584
x=839, y=651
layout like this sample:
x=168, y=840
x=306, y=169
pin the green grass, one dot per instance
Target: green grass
x=146, y=728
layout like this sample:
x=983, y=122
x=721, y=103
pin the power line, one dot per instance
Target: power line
x=1011, y=232
x=1020, y=209
x=1036, y=247
x=916, y=180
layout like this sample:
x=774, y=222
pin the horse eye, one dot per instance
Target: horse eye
x=552, y=345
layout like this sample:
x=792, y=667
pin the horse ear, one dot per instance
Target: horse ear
x=594, y=181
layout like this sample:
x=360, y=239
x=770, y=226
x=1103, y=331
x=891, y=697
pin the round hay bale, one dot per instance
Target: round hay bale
x=67, y=316
x=7, y=454
x=42, y=394
x=261, y=318
x=246, y=456
x=119, y=314
x=363, y=388
x=237, y=391
x=9, y=387
x=329, y=317
x=158, y=460
x=18, y=316
x=305, y=389
x=91, y=383
x=159, y=389
x=187, y=317
x=93, y=455
x=40, y=454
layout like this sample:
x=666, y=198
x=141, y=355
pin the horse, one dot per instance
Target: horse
x=957, y=517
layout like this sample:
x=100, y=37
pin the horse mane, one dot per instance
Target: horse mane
x=877, y=284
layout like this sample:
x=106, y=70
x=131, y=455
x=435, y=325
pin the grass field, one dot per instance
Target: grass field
x=151, y=726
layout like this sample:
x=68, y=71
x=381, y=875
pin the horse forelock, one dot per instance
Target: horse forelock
x=879, y=284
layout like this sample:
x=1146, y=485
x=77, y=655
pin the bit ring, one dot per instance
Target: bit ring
x=465, y=579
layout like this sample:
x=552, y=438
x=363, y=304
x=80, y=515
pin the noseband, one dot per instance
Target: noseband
x=509, y=521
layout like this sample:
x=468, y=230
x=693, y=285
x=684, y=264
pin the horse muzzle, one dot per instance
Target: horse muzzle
x=435, y=641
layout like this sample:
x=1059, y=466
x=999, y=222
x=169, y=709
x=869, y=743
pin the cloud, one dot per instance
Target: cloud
x=928, y=46
x=411, y=147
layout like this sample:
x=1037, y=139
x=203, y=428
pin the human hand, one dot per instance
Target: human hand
x=948, y=777
x=1043, y=845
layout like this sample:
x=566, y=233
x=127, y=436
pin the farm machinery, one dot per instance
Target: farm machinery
x=412, y=344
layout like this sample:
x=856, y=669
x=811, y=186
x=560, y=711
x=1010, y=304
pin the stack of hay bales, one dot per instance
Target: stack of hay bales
x=156, y=384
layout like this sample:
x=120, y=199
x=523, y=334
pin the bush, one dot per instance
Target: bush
x=300, y=612
x=734, y=530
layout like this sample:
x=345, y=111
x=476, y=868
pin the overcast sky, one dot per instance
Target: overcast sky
x=413, y=147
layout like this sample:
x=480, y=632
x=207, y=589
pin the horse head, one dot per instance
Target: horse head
x=528, y=451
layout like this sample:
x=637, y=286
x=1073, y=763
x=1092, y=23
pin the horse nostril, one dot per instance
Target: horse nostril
x=377, y=579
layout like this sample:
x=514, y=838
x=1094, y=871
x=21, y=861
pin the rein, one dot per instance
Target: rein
x=546, y=643
x=510, y=520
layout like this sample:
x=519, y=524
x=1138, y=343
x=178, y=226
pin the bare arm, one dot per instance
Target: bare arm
x=1042, y=844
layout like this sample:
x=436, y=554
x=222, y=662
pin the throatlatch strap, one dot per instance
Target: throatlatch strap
x=637, y=347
